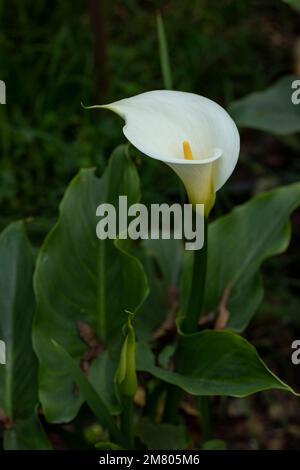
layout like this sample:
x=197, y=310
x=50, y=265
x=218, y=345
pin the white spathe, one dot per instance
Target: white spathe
x=158, y=122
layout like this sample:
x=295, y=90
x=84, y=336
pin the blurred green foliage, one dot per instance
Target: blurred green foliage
x=223, y=50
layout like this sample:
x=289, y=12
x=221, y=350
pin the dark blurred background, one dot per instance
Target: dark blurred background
x=55, y=55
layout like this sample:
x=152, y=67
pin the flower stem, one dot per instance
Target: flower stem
x=172, y=402
x=127, y=422
x=206, y=419
x=197, y=291
x=190, y=325
x=152, y=401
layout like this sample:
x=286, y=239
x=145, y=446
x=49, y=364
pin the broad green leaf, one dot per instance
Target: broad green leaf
x=27, y=434
x=216, y=363
x=161, y=436
x=92, y=398
x=238, y=244
x=166, y=354
x=80, y=278
x=270, y=110
x=162, y=261
x=18, y=377
x=102, y=376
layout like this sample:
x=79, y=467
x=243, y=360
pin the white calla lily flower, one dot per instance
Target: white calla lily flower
x=192, y=134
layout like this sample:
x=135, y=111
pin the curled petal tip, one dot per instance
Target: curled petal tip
x=192, y=134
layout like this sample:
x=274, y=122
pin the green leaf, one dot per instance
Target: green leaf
x=294, y=4
x=166, y=354
x=162, y=261
x=164, y=53
x=161, y=436
x=27, y=434
x=102, y=377
x=92, y=398
x=18, y=377
x=239, y=243
x=81, y=278
x=270, y=110
x=108, y=446
x=216, y=363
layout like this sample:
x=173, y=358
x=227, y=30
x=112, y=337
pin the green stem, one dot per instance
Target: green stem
x=152, y=401
x=172, y=403
x=195, y=303
x=127, y=422
x=190, y=325
x=206, y=419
